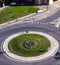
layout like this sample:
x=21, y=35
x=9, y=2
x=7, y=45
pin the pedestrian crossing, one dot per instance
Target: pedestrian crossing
x=40, y=23
x=45, y=23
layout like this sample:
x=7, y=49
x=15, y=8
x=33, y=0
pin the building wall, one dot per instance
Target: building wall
x=30, y=2
x=50, y=1
x=44, y=1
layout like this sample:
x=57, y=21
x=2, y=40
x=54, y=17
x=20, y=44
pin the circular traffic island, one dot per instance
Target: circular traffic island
x=29, y=45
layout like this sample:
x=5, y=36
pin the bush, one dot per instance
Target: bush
x=1, y=4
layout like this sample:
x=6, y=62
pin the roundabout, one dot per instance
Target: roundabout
x=29, y=45
x=45, y=47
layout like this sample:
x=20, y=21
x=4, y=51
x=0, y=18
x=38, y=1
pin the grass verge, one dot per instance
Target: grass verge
x=15, y=12
x=16, y=45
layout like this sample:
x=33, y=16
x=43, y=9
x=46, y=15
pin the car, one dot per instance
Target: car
x=57, y=56
x=58, y=53
x=13, y=3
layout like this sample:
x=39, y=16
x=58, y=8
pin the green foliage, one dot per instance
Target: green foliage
x=1, y=0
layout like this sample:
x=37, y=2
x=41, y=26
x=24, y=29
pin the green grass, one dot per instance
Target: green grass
x=15, y=12
x=16, y=45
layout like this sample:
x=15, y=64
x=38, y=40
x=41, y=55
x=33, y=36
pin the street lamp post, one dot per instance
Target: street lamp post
x=47, y=7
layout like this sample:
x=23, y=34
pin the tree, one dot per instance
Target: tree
x=1, y=3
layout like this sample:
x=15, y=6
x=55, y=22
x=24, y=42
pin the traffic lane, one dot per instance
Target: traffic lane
x=14, y=29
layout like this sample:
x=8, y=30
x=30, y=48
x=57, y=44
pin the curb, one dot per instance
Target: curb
x=50, y=53
x=18, y=19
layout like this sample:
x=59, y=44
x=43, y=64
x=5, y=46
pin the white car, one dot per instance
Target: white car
x=13, y=3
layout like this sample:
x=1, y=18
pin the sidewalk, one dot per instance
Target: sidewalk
x=50, y=7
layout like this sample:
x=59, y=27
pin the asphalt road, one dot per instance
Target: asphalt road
x=51, y=30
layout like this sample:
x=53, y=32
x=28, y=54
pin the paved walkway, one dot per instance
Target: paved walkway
x=56, y=22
